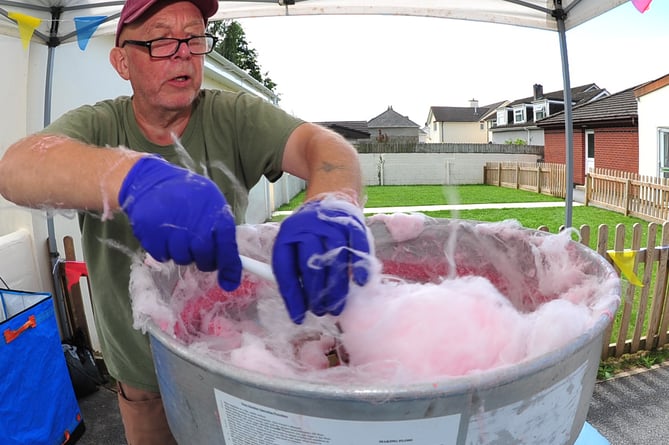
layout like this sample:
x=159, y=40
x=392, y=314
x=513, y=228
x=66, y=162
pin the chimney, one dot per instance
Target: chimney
x=473, y=103
x=538, y=91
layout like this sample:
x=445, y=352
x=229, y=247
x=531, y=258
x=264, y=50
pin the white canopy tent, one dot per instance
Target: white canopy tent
x=54, y=22
x=59, y=25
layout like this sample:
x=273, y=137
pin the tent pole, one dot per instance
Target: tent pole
x=66, y=331
x=568, y=122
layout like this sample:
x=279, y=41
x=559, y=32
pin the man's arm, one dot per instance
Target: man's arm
x=322, y=248
x=325, y=160
x=60, y=172
x=174, y=213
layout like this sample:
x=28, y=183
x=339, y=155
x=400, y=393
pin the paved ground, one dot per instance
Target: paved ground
x=634, y=408
x=101, y=418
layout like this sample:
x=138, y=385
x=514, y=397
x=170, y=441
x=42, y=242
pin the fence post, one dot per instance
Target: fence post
x=538, y=178
x=517, y=176
x=499, y=174
x=626, y=197
x=588, y=184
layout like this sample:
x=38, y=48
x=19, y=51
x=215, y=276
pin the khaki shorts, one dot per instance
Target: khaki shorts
x=143, y=417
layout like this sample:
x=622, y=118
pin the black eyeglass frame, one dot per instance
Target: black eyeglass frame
x=148, y=43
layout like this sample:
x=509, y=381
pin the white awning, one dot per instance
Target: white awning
x=58, y=16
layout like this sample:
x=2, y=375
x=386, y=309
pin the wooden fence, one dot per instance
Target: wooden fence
x=642, y=321
x=631, y=194
x=539, y=177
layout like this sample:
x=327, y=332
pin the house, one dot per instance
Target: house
x=387, y=126
x=514, y=121
x=652, y=98
x=606, y=135
x=391, y=125
x=459, y=124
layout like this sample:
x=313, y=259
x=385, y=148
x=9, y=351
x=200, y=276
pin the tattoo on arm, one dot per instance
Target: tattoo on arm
x=328, y=167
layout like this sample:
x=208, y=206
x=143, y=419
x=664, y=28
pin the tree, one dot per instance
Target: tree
x=233, y=46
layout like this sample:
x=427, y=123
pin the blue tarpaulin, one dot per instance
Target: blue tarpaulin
x=37, y=401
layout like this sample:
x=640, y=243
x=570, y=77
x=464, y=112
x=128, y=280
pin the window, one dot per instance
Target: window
x=519, y=115
x=539, y=111
x=501, y=117
x=663, y=141
x=434, y=126
x=590, y=143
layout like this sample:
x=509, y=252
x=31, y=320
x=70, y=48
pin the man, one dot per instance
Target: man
x=131, y=192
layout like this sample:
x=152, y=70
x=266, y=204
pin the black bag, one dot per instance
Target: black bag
x=83, y=370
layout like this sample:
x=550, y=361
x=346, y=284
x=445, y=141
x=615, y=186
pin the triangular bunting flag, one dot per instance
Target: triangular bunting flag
x=27, y=25
x=641, y=5
x=625, y=262
x=86, y=26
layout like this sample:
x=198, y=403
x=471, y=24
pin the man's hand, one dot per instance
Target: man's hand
x=181, y=216
x=317, y=251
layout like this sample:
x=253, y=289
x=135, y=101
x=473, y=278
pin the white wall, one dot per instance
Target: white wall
x=13, y=87
x=431, y=168
x=531, y=136
x=20, y=88
x=652, y=116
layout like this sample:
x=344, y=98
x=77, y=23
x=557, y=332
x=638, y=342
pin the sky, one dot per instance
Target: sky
x=336, y=68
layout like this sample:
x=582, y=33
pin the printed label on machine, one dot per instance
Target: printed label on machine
x=244, y=422
x=546, y=417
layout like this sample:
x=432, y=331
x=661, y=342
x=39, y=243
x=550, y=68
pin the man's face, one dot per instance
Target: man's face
x=172, y=83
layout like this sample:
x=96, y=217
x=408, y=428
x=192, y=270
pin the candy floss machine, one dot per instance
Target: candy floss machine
x=542, y=398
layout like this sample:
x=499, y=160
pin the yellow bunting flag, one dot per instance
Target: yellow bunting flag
x=27, y=25
x=625, y=262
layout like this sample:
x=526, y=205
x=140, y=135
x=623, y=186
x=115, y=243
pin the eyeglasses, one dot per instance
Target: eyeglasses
x=167, y=47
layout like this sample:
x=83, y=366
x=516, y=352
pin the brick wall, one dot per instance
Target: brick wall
x=615, y=148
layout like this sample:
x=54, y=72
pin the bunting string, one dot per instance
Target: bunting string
x=84, y=26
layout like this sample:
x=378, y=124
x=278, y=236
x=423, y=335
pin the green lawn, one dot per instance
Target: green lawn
x=553, y=218
x=417, y=195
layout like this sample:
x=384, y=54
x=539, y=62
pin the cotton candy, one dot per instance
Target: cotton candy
x=446, y=298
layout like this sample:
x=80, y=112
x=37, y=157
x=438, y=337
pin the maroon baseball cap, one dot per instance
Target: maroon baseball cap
x=135, y=9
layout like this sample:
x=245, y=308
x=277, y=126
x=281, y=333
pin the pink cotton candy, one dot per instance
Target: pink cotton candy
x=449, y=298
x=433, y=329
x=402, y=226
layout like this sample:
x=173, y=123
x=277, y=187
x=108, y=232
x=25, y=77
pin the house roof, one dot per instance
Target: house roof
x=350, y=126
x=651, y=86
x=616, y=107
x=391, y=119
x=579, y=94
x=462, y=114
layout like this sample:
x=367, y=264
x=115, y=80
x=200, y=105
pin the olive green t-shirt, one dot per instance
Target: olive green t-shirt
x=229, y=135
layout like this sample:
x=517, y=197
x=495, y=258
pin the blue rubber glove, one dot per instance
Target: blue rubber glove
x=315, y=256
x=181, y=216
